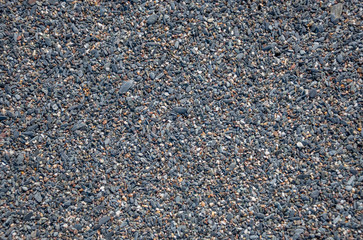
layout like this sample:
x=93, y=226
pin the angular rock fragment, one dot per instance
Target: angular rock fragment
x=152, y=19
x=180, y=110
x=126, y=86
x=336, y=10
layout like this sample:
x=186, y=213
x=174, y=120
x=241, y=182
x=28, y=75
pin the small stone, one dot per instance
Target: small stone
x=152, y=75
x=55, y=107
x=16, y=134
x=332, y=152
x=3, y=117
x=38, y=197
x=240, y=56
x=320, y=28
x=236, y=31
x=32, y=2
x=20, y=159
x=273, y=181
x=313, y=93
x=350, y=147
x=300, y=145
x=104, y=220
x=315, y=194
x=79, y=126
x=75, y=29
x=126, y=86
x=229, y=216
x=48, y=42
x=299, y=231
x=336, y=220
x=340, y=58
x=152, y=19
x=353, y=171
x=33, y=234
x=96, y=227
x=321, y=230
x=77, y=226
x=180, y=110
x=267, y=48
x=28, y=216
x=336, y=10
x=67, y=204
x=107, y=67
x=52, y=2
x=29, y=133
x=351, y=181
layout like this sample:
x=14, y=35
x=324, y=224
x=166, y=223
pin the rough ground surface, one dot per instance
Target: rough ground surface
x=181, y=119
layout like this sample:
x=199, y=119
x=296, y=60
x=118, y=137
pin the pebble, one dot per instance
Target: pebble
x=55, y=107
x=300, y=145
x=126, y=86
x=336, y=10
x=28, y=216
x=104, y=220
x=152, y=19
x=38, y=197
x=315, y=194
x=181, y=110
x=180, y=119
x=340, y=58
x=351, y=181
x=79, y=126
x=313, y=93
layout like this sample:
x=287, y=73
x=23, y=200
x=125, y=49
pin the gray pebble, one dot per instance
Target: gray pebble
x=152, y=75
x=315, y=194
x=28, y=216
x=152, y=19
x=55, y=107
x=240, y=56
x=299, y=231
x=313, y=93
x=104, y=220
x=79, y=126
x=180, y=110
x=336, y=10
x=351, y=181
x=126, y=86
x=38, y=197
x=340, y=58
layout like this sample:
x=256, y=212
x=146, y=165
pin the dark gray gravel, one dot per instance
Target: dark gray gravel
x=181, y=119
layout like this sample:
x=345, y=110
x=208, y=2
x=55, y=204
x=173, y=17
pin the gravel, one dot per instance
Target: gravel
x=181, y=119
